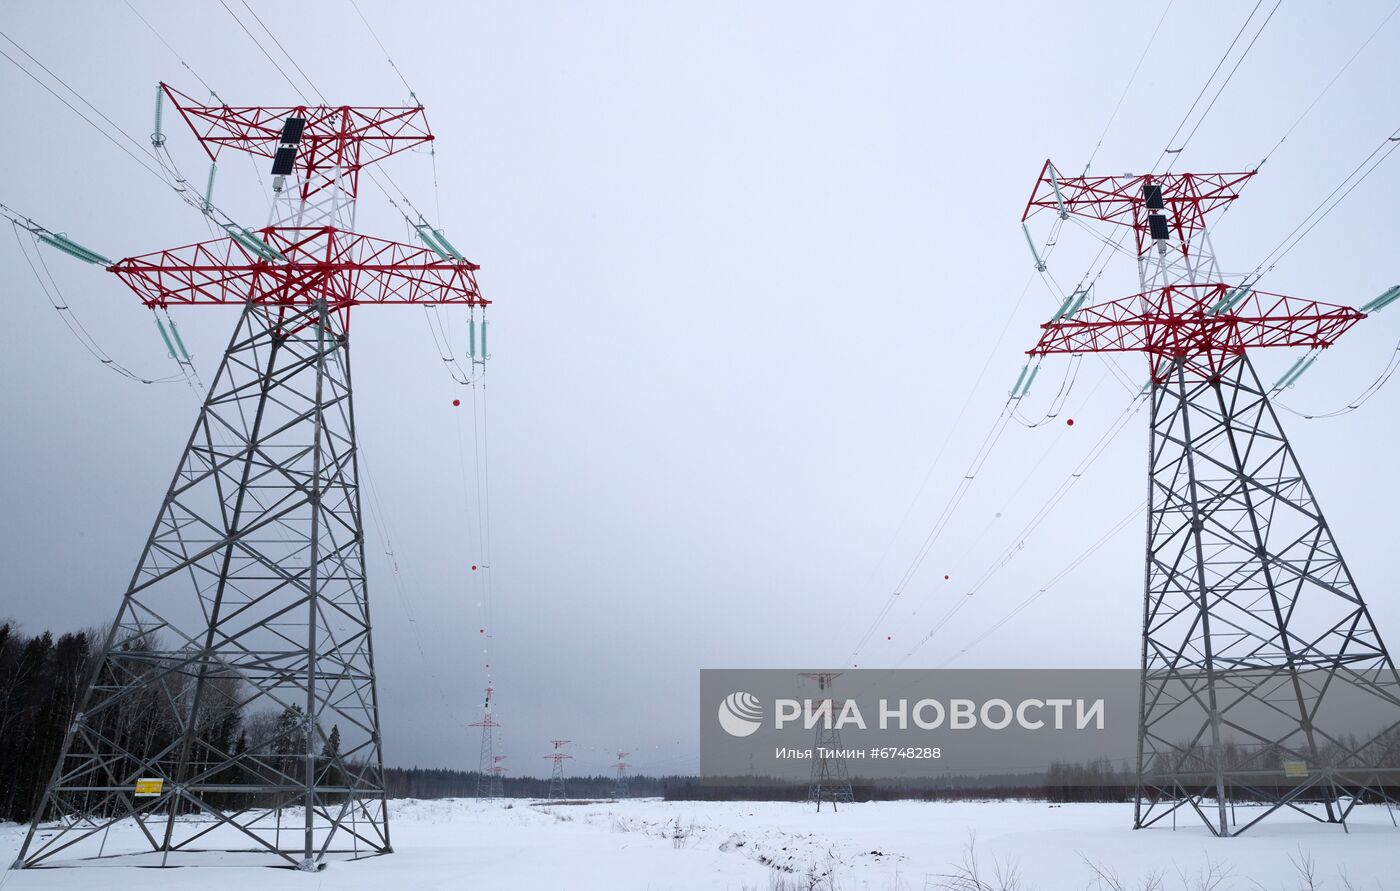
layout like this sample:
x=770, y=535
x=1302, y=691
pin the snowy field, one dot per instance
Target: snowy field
x=768, y=846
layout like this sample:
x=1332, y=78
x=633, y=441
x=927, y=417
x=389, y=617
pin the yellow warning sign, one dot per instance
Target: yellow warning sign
x=147, y=787
x=1296, y=769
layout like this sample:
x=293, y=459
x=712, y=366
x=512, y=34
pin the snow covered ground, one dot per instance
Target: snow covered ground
x=886, y=846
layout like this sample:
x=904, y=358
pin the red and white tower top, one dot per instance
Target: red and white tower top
x=308, y=252
x=1186, y=308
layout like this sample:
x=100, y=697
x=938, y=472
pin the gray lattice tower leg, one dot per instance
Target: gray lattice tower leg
x=1264, y=679
x=486, y=761
x=239, y=670
x=830, y=780
x=556, y=781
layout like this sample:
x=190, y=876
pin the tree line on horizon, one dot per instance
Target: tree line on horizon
x=42, y=680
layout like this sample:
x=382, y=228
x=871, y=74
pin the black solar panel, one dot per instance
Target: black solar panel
x=1157, y=224
x=291, y=130
x=1153, y=193
x=285, y=160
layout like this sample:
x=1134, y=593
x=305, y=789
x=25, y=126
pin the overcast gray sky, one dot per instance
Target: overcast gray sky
x=747, y=263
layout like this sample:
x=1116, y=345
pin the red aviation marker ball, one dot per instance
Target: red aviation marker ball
x=456, y=402
x=1069, y=422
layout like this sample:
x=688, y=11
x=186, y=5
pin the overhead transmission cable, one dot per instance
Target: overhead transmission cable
x=70, y=319
x=1352, y=404
x=1113, y=116
x=1036, y=520
x=998, y=426
x=1176, y=152
x=187, y=66
x=1318, y=98
x=1113, y=531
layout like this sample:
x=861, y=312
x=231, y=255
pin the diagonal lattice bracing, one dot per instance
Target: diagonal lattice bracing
x=239, y=671
x=235, y=706
x=1264, y=680
x=1264, y=677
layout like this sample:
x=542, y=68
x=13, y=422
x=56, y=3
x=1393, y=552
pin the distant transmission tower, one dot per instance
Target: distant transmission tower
x=620, y=784
x=248, y=606
x=556, y=777
x=486, y=781
x=830, y=778
x=498, y=771
x=1255, y=636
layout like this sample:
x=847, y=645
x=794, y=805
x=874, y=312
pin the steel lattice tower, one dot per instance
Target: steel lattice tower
x=1258, y=652
x=830, y=779
x=620, y=784
x=486, y=781
x=556, y=776
x=498, y=783
x=249, y=604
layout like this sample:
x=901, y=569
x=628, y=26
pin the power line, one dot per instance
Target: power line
x=1318, y=98
x=1060, y=576
x=1323, y=208
x=280, y=70
x=387, y=57
x=1037, y=519
x=1355, y=403
x=1206, y=86
x=70, y=318
x=188, y=67
x=265, y=28
x=1223, y=84
x=108, y=136
x=1128, y=86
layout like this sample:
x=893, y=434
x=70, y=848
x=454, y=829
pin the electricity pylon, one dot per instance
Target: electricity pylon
x=556, y=776
x=486, y=780
x=1258, y=652
x=620, y=784
x=830, y=779
x=237, y=681
x=498, y=784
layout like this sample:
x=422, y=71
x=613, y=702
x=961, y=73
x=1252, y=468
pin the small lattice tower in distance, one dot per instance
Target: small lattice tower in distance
x=556, y=775
x=486, y=782
x=830, y=776
x=498, y=783
x=620, y=783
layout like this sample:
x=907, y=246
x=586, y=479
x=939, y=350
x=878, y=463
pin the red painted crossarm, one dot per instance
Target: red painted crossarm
x=347, y=137
x=342, y=268
x=1188, y=198
x=1208, y=320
